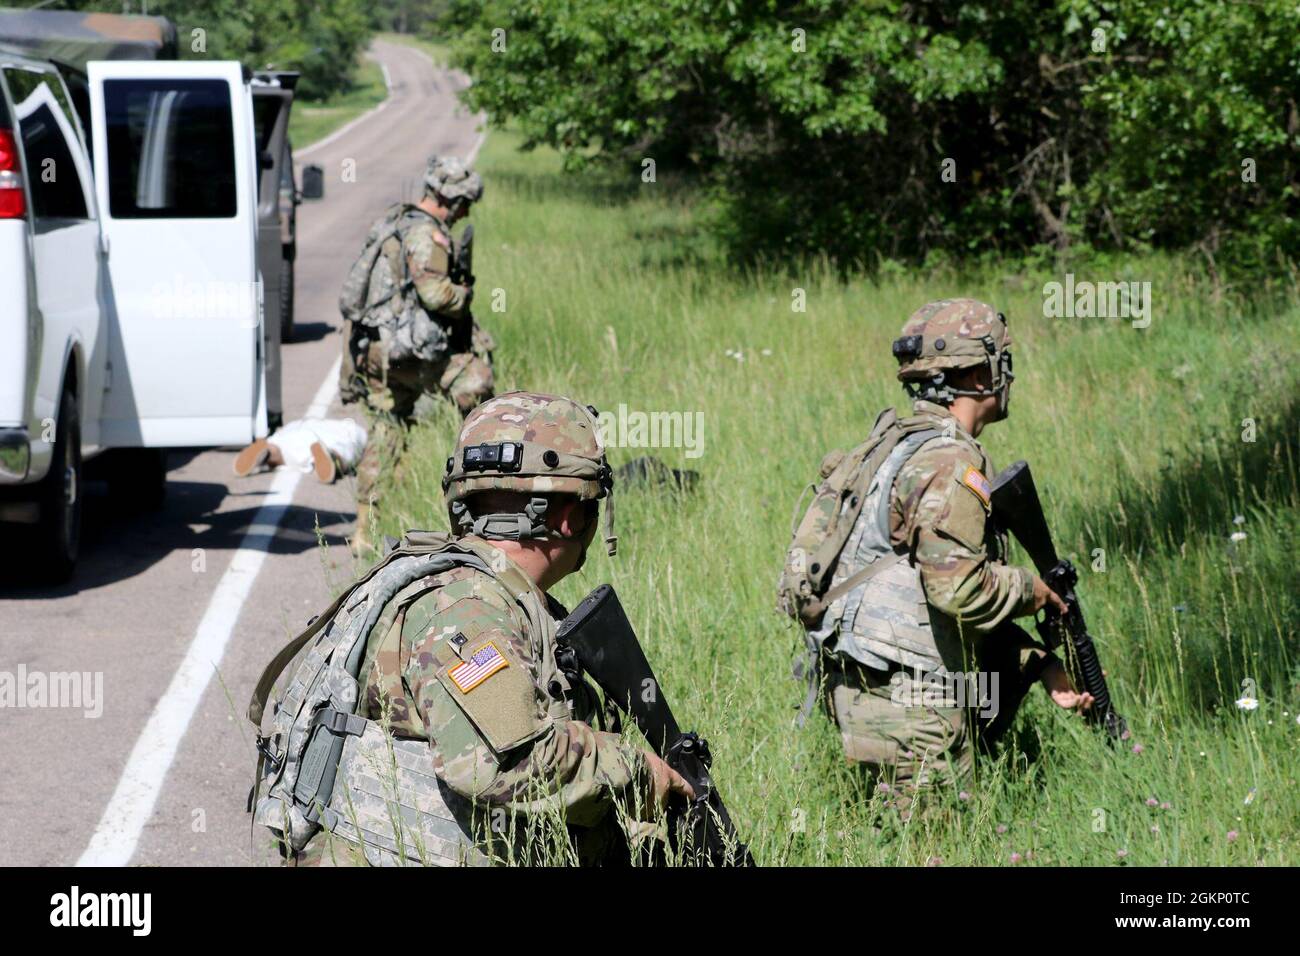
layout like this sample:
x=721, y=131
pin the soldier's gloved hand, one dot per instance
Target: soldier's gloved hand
x=466, y=293
x=1059, y=688
x=1043, y=596
x=664, y=782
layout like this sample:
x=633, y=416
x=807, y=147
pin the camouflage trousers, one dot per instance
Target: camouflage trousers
x=393, y=392
x=913, y=734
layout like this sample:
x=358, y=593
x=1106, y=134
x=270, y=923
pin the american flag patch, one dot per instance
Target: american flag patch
x=485, y=662
x=977, y=483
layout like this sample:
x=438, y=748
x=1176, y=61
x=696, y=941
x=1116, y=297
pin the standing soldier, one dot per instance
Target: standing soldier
x=901, y=578
x=408, y=331
x=487, y=720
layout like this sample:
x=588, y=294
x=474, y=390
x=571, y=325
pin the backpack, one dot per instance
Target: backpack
x=378, y=305
x=803, y=591
x=818, y=537
x=322, y=765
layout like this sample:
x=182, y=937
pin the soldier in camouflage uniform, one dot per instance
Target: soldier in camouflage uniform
x=940, y=598
x=522, y=733
x=457, y=364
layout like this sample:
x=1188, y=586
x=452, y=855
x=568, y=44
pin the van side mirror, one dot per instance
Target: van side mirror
x=313, y=182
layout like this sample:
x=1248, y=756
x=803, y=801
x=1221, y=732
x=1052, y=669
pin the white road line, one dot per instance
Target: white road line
x=114, y=840
x=473, y=153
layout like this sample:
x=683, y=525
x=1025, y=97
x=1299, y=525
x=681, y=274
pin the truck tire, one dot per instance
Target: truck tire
x=286, y=300
x=137, y=478
x=58, y=532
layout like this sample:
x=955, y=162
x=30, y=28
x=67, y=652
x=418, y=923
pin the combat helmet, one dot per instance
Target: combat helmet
x=949, y=335
x=532, y=443
x=450, y=178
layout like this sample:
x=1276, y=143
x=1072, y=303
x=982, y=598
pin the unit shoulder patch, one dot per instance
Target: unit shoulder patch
x=974, y=480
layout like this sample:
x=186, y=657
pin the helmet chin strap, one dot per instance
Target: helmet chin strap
x=611, y=539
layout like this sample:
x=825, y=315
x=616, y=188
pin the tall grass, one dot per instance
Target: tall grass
x=612, y=294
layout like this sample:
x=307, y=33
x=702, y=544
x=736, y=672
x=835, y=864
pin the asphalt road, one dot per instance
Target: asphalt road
x=180, y=609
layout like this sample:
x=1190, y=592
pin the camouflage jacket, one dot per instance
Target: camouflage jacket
x=939, y=512
x=430, y=249
x=517, y=732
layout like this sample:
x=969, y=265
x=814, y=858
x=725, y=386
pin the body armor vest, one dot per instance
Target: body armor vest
x=323, y=765
x=885, y=620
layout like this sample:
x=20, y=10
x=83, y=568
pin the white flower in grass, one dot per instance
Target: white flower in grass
x=1239, y=519
x=1247, y=703
x=1237, y=536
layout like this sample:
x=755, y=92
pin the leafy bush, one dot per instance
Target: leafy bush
x=319, y=38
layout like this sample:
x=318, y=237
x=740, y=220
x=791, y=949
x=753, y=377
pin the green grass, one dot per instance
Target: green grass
x=613, y=295
x=313, y=120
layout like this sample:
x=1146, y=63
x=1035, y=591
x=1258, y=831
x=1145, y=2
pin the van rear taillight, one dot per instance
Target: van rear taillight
x=13, y=200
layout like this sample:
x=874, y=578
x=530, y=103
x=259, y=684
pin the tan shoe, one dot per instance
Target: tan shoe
x=252, y=458
x=323, y=463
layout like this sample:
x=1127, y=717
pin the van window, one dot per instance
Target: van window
x=171, y=149
x=49, y=139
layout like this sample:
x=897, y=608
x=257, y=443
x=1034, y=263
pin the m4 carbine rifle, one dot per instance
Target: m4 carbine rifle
x=599, y=634
x=1017, y=508
x=462, y=263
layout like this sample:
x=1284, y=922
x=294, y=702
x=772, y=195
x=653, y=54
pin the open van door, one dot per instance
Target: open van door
x=176, y=176
x=271, y=106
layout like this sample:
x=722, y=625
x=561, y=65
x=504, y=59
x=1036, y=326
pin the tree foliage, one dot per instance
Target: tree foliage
x=318, y=38
x=886, y=129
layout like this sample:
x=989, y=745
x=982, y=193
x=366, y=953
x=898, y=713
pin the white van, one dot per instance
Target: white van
x=130, y=312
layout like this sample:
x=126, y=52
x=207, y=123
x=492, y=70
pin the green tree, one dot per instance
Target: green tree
x=891, y=129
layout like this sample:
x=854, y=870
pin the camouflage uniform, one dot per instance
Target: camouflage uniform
x=513, y=742
x=891, y=716
x=462, y=370
x=530, y=737
x=464, y=374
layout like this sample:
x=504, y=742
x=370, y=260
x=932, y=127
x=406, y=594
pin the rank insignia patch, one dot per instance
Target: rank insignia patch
x=485, y=662
x=977, y=483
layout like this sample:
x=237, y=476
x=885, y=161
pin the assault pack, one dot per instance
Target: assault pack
x=818, y=537
x=848, y=481
x=379, y=303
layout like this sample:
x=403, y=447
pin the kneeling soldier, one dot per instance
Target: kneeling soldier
x=901, y=579
x=441, y=671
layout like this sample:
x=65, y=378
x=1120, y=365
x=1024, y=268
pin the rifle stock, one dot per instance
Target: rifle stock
x=601, y=636
x=1018, y=509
